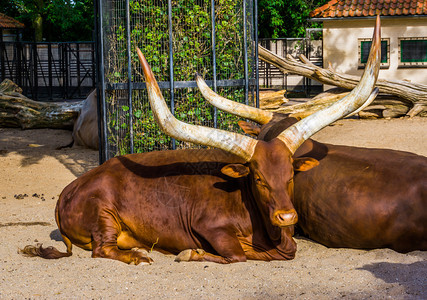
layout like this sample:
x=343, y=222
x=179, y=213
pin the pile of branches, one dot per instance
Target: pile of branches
x=398, y=98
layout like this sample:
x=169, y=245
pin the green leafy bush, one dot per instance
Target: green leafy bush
x=192, y=52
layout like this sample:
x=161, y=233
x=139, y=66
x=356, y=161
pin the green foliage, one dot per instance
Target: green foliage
x=285, y=18
x=192, y=48
x=53, y=20
x=65, y=20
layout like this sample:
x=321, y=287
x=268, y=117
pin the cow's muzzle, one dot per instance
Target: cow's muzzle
x=283, y=218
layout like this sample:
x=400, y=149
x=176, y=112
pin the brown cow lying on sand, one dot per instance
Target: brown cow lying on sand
x=356, y=197
x=222, y=206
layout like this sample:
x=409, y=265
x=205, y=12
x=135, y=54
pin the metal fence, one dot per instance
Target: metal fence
x=178, y=38
x=272, y=77
x=49, y=71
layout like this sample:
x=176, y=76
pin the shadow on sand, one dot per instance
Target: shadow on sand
x=402, y=274
x=36, y=144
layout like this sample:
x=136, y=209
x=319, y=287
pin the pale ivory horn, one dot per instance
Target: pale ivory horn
x=237, y=144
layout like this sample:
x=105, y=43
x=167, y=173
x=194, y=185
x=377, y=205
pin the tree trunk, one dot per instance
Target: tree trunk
x=16, y=110
x=413, y=95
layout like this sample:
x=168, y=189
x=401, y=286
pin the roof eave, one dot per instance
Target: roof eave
x=364, y=18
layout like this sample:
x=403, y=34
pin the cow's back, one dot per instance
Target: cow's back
x=364, y=198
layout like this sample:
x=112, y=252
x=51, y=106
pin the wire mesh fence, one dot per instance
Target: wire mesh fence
x=49, y=71
x=295, y=85
x=178, y=38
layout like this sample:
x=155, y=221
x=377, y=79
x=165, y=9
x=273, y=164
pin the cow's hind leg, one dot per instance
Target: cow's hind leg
x=104, y=242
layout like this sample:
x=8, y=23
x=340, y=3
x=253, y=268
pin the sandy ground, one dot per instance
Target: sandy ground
x=31, y=179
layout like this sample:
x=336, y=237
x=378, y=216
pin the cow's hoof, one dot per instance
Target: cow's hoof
x=142, y=250
x=190, y=255
x=201, y=252
x=140, y=258
x=184, y=255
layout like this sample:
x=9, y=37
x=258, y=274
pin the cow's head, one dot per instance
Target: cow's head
x=267, y=183
x=269, y=165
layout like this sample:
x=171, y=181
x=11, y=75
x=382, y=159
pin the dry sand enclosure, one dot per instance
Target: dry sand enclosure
x=33, y=174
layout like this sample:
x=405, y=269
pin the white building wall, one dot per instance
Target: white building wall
x=340, y=45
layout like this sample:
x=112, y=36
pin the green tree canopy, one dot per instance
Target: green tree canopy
x=53, y=20
x=285, y=18
x=72, y=20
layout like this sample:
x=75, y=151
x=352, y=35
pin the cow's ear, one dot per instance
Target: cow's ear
x=249, y=128
x=235, y=170
x=305, y=163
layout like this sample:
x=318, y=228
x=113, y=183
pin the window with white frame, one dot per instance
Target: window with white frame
x=365, y=47
x=412, y=52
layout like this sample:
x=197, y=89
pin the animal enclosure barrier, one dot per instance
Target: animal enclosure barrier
x=49, y=71
x=272, y=77
x=179, y=38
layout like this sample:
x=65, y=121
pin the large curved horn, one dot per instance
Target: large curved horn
x=295, y=135
x=244, y=111
x=238, y=144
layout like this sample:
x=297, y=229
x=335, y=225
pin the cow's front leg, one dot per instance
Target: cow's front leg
x=225, y=244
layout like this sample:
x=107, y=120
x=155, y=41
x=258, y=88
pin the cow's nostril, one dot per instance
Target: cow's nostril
x=286, y=218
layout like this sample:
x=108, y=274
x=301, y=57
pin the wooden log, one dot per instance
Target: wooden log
x=272, y=99
x=16, y=110
x=420, y=109
x=382, y=106
x=9, y=87
x=305, y=109
x=407, y=92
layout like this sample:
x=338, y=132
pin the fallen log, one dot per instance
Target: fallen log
x=272, y=99
x=305, y=109
x=413, y=95
x=382, y=106
x=16, y=110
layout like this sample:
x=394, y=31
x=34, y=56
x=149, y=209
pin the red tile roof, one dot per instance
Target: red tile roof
x=8, y=22
x=367, y=8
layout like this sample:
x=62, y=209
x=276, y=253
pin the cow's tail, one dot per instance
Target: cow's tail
x=49, y=252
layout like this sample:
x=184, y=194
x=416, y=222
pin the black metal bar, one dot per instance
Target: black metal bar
x=172, y=94
x=286, y=75
x=2, y=56
x=180, y=84
x=307, y=54
x=78, y=66
x=67, y=69
x=92, y=49
x=49, y=62
x=245, y=53
x=19, y=56
x=102, y=110
x=129, y=77
x=62, y=71
x=36, y=78
x=214, y=58
x=256, y=53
